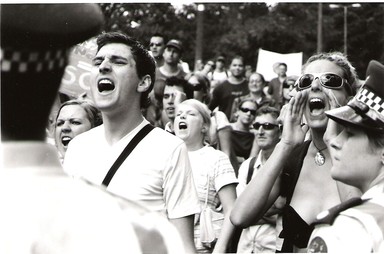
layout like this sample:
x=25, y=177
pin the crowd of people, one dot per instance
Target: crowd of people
x=294, y=164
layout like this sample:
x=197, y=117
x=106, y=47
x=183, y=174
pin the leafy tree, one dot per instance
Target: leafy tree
x=243, y=28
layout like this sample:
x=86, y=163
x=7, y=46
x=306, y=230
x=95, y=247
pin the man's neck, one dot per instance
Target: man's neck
x=159, y=61
x=169, y=70
x=257, y=95
x=235, y=80
x=118, y=126
x=265, y=153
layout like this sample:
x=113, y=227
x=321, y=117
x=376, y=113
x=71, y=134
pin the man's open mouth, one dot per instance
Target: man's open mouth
x=105, y=85
x=316, y=106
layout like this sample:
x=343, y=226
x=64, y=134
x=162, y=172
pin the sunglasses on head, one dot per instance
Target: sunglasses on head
x=327, y=80
x=246, y=110
x=155, y=44
x=266, y=126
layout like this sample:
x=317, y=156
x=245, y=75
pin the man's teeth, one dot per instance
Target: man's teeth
x=105, y=85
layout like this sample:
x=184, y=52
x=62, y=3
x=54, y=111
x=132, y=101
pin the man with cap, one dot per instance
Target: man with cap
x=357, y=153
x=44, y=210
x=219, y=74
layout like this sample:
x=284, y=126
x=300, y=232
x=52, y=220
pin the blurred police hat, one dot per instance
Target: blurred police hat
x=366, y=109
x=35, y=43
x=36, y=36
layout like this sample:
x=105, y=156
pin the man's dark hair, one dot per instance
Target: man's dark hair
x=283, y=64
x=145, y=64
x=180, y=82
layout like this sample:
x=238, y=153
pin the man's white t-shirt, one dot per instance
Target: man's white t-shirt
x=157, y=173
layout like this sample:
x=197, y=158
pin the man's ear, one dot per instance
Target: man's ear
x=382, y=156
x=144, y=84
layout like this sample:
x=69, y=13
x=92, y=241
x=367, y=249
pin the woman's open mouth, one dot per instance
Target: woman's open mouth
x=316, y=106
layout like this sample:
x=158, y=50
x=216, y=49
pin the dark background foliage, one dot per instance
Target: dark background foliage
x=242, y=28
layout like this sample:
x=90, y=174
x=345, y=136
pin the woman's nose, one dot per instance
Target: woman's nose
x=315, y=86
x=66, y=127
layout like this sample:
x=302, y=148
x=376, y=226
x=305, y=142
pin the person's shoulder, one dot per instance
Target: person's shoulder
x=85, y=138
x=165, y=138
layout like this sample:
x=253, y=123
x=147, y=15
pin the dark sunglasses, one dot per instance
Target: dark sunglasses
x=155, y=44
x=196, y=87
x=327, y=80
x=266, y=126
x=246, y=110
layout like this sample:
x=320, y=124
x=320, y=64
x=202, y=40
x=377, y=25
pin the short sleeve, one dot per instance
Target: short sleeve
x=346, y=235
x=242, y=177
x=179, y=188
x=224, y=172
x=221, y=120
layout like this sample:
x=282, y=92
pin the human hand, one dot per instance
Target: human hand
x=333, y=128
x=292, y=115
x=179, y=97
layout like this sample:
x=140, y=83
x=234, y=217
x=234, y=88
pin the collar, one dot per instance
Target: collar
x=258, y=161
x=374, y=191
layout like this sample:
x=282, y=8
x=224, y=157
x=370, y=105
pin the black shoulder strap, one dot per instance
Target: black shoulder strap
x=329, y=216
x=124, y=154
x=251, y=169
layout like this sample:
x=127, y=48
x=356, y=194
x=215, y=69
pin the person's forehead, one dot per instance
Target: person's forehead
x=157, y=39
x=322, y=65
x=266, y=118
x=115, y=49
x=255, y=77
x=248, y=104
x=237, y=62
x=72, y=110
x=173, y=88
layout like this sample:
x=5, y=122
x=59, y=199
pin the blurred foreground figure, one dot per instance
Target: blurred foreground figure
x=44, y=210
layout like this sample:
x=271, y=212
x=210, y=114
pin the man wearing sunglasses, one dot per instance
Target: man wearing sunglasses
x=242, y=137
x=262, y=236
x=157, y=47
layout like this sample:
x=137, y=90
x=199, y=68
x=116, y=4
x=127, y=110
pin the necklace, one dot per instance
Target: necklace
x=319, y=157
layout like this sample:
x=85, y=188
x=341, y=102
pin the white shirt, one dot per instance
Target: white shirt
x=157, y=173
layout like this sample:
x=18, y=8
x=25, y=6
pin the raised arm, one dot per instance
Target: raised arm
x=264, y=189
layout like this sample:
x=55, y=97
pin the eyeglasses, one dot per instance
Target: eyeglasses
x=246, y=110
x=266, y=126
x=327, y=80
x=155, y=44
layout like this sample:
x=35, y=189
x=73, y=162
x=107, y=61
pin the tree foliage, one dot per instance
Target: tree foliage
x=243, y=28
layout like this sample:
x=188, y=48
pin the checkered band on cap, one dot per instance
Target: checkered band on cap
x=370, y=99
x=15, y=61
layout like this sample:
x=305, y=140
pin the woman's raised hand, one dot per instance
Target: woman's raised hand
x=292, y=115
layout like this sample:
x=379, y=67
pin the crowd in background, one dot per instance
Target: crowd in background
x=168, y=150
